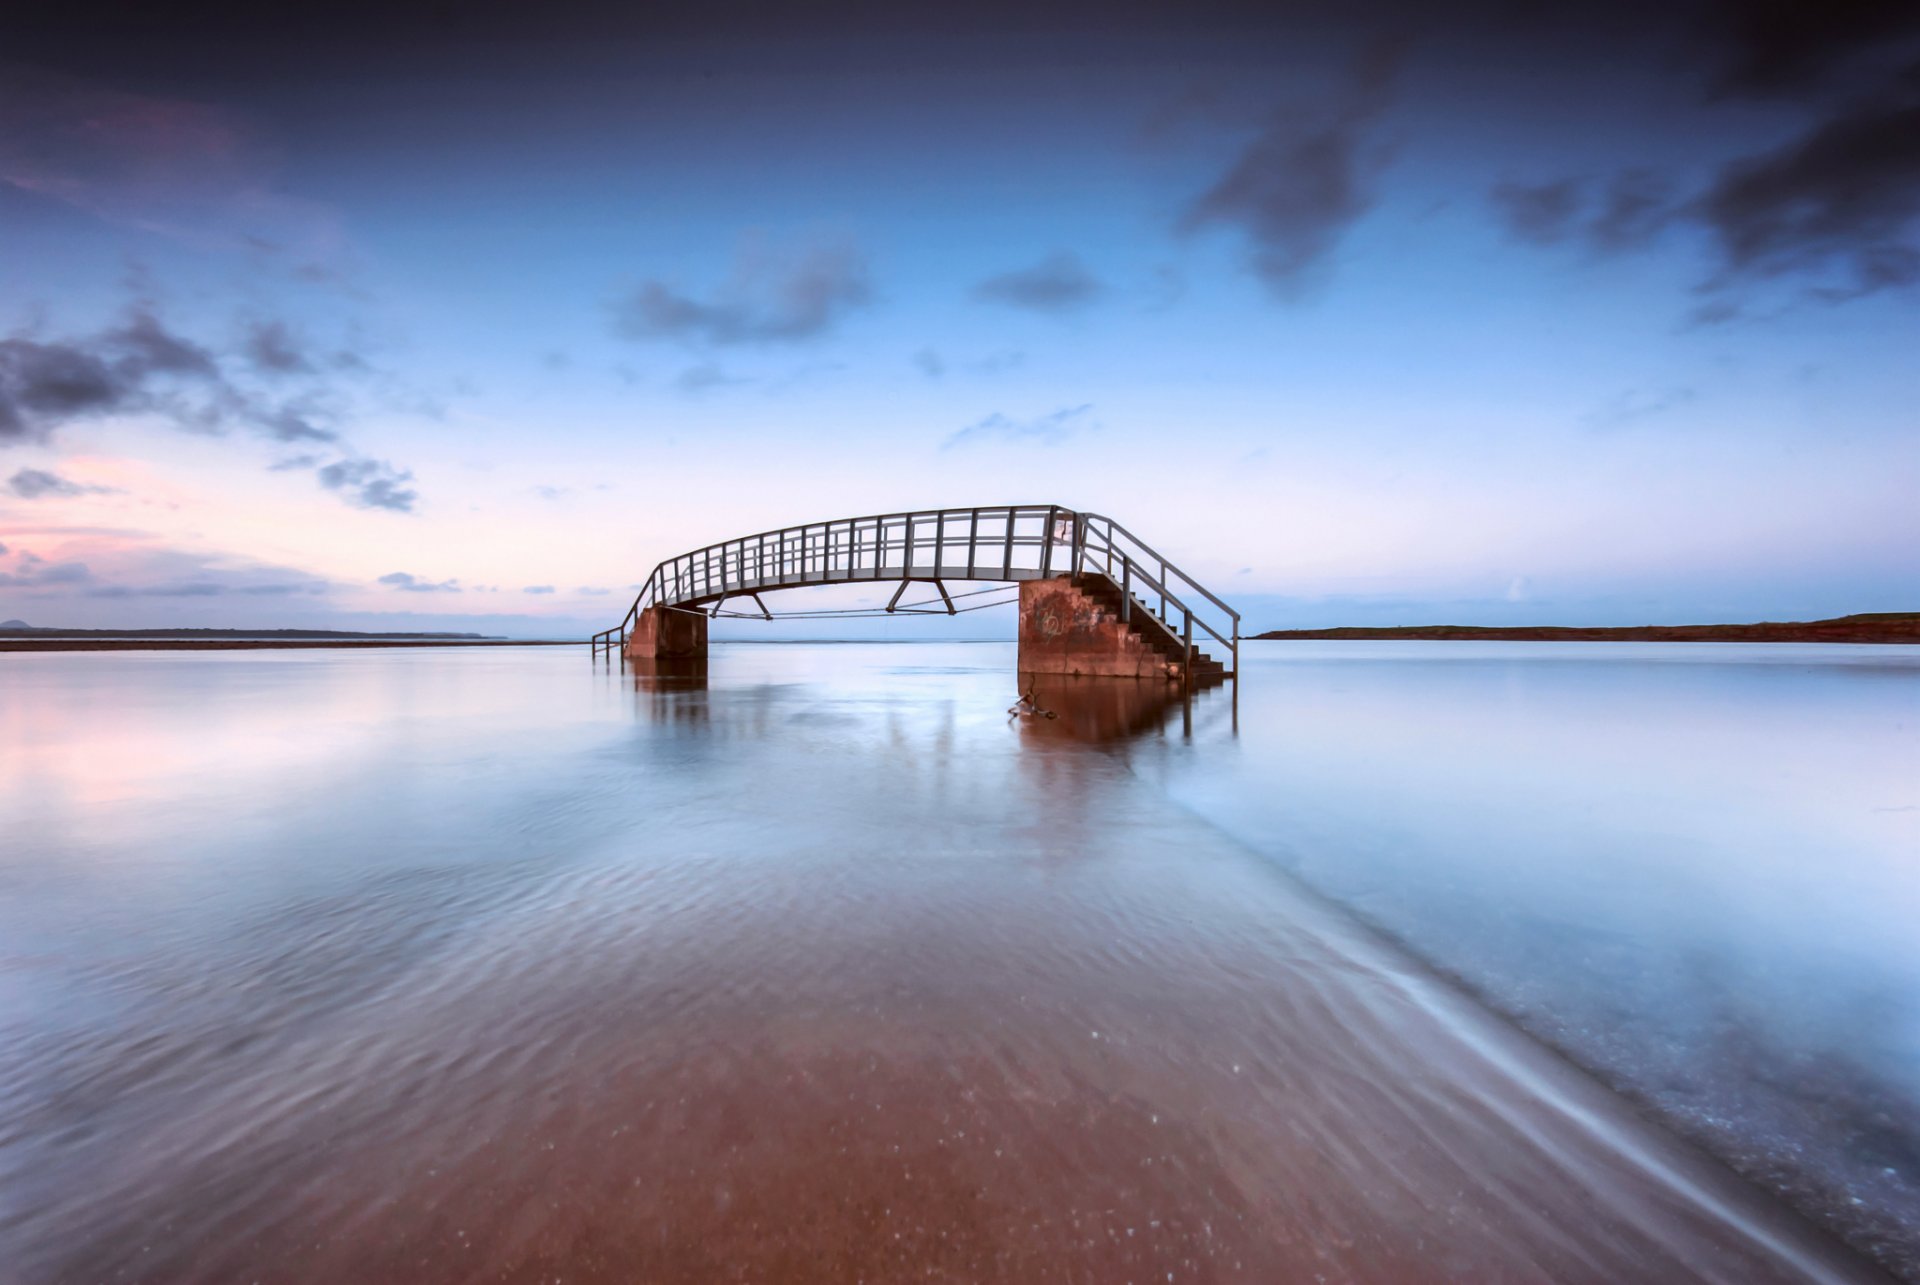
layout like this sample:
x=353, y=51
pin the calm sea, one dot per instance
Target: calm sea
x=1430, y=962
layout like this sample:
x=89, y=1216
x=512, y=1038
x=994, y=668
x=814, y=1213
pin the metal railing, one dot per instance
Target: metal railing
x=1003, y=543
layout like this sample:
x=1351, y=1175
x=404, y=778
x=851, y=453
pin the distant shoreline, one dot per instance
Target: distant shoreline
x=264, y=644
x=1876, y=627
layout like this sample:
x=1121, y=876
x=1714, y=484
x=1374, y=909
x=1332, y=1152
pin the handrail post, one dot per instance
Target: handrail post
x=1079, y=543
x=1046, y=541
x=1186, y=670
x=1126, y=588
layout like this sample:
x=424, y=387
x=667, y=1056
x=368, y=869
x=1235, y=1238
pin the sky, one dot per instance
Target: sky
x=462, y=317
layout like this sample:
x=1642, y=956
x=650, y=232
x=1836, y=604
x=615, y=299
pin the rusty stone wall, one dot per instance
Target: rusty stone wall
x=663, y=634
x=1063, y=631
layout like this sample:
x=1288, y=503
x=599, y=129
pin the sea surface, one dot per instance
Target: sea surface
x=1420, y=961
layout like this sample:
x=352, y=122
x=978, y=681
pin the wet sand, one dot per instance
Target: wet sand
x=1032, y=1023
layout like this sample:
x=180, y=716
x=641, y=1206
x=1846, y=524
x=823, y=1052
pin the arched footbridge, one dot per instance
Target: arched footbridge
x=1094, y=598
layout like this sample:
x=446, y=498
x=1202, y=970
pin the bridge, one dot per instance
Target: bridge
x=1094, y=598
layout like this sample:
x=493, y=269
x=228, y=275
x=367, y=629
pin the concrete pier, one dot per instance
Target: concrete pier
x=667, y=633
x=1065, y=629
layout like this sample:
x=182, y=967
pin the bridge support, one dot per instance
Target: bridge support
x=663, y=633
x=1064, y=629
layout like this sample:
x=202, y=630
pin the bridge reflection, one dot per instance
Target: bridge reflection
x=1073, y=708
x=1105, y=710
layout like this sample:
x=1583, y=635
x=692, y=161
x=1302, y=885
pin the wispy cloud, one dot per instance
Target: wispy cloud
x=1049, y=429
x=370, y=484
x=35, y=484
x=1305, y=179
x=1638, y=404
x=1059, y=283
x=190, y=171
x=774, y=295
x=409, y=583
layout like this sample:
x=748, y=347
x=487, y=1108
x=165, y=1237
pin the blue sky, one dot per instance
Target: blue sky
x=1586, y=318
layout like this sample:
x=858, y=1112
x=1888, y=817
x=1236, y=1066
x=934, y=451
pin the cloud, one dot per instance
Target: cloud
x=773, y=296
x=593, y=591
x=1782, y=49
x=3, y=549
x=1304, y=180
x=369, y=484
x=1049, y=430
x=1058, y=283
x=1840, y=202
x=409, y=583
x=1638, y=404
x=930, y=363
x=705, y=378
x=139, y=366
x=106, y=563
x=1539, y=214
x=208, y=589
x=184, y=170
x=34, y=484
x=538, y=588
x=272, y=349
x=1636, y=206
x=35, y=574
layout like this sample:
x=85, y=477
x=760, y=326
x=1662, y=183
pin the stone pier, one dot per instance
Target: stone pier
x=1065, y=629
x=663, y=633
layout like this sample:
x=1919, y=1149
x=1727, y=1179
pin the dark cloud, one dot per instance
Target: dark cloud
x=538, y=588
x=1305, y=179
x=138, y=366
x=772, y=297
x=1539, y=214
x=295, y=464
x=369, y=484
x=293, y=422
x=46, y=385
x=1635, y=206
x=272, y=348
x=1786, y=48
x=1638, y=204
x=1840, y=203
x=1050, y=429
x=1058, y=283
x=34, y=484
x=410, y=583
x=144, y=346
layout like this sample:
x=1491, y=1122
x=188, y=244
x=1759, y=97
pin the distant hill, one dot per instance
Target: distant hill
x=1871, y=627
x=22, y=627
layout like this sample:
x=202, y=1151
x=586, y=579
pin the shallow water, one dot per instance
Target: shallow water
x=494, y=965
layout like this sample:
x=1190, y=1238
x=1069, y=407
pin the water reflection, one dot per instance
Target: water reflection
x=350, y=966
x=1097, y=710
